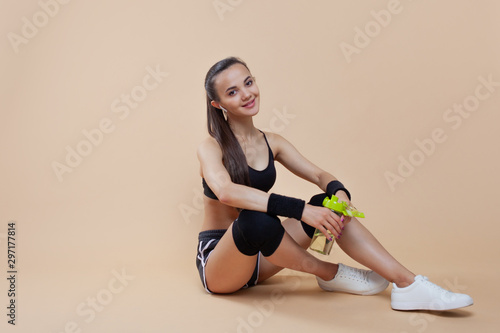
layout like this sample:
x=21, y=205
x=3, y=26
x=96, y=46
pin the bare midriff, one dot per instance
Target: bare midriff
x=217, y=215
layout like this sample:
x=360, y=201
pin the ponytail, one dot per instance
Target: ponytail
x=233, y=158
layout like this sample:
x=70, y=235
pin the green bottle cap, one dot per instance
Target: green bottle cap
x=341, y=207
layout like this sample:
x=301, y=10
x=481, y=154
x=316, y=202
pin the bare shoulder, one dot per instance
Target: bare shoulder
x=274, y=138
x=276, y=141
x=208, y=147
x=208, y=142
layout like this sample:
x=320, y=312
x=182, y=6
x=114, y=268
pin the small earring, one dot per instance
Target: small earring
x=224, y=113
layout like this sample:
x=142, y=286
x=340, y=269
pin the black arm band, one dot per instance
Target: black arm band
x=285, y=206
x=335, y=186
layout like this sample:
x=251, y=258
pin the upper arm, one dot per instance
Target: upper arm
x=210, y=156
x=294, y=161
x=218, y=179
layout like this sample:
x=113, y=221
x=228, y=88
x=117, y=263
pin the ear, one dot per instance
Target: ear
x=215, y=104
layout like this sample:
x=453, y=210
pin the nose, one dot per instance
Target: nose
x=245, y=94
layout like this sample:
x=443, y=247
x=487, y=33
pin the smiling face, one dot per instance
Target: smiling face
x=237, y=91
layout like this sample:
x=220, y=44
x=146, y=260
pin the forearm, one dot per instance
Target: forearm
x=253, y=199
x=326, y=178
x=244, y=197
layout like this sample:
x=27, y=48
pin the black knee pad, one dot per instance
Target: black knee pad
x=316, y=200
x=256, y=231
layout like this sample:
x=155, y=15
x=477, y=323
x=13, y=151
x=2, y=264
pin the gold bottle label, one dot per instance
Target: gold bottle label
x=321, y=244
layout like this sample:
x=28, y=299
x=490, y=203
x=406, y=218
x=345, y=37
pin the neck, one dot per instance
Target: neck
x=243, y=127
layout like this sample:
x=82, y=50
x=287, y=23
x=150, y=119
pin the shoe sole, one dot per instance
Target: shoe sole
x=381, y=288
x=407, y=306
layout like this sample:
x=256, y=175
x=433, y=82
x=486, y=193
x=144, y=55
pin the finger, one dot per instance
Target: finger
x=339, y=220
x=347, y=220
x=328, y=224
x=343, y=221
x=325, y=232
x=331, y=228
x=334, y=216
x=334, y=227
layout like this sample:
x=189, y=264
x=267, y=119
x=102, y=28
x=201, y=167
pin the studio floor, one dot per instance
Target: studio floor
x=138, y=297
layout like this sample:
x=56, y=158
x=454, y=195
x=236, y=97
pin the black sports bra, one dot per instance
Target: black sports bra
x=262, y=180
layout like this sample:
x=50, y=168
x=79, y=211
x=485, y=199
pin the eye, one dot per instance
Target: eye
x=249, y=82
x=232, y=92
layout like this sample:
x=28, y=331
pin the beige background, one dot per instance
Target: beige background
x=132, y=204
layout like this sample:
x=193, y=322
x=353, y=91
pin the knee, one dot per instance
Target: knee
x=255, y=232
x=317, y=200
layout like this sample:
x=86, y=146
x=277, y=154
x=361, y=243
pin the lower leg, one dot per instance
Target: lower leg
x=294, y=228
x=362, y=246
x=291, y=255
x=331, y=277
x=294, y=256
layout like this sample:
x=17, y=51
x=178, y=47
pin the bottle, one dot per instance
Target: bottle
x=319, y=242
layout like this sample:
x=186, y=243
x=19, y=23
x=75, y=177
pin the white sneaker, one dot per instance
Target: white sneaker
x=355, y=281
x=425, y=295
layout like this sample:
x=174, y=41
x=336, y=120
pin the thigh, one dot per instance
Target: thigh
x=227, y=269
x=295, y=230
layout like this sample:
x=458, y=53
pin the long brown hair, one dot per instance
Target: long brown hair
x=233, y=158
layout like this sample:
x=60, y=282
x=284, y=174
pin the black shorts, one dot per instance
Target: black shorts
x=207, y=240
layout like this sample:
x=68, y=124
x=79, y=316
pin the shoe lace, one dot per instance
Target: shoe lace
x=435, y=286
x=356, y=273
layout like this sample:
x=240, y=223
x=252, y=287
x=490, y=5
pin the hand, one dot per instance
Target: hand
x=323, y=219
x=343, y=197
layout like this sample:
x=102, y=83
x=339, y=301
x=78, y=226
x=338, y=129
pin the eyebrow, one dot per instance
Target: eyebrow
x=233, y=87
